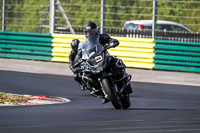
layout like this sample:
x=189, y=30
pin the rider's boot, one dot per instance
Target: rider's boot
x=105, y=100
x=83, y=87
x=77, y=78
x=96, y=92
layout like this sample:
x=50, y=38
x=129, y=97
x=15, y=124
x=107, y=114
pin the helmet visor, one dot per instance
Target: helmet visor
x=91, y=32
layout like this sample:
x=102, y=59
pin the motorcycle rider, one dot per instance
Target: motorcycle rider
x=73, y=53
x=73, y=63
x=116, y=64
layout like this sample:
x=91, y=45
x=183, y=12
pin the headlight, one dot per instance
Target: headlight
x=98, y=58
x=92, y=62
x=95, y=60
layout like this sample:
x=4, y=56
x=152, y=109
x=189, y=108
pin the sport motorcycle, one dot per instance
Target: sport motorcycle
x=99, y=76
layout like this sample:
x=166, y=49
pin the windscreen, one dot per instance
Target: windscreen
x=91, y=47
x=92, y=51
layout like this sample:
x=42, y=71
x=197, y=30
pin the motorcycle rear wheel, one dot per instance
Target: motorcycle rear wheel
x=112, y=95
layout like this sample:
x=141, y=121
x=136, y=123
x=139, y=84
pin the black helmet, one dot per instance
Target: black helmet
x=90, y=29
x=74, y=44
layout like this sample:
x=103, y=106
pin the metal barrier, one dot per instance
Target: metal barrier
x=24, y=45
x=135, y=52
x=61, y=46
x=175, y=55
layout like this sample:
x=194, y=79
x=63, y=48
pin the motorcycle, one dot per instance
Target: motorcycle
x=100, y=78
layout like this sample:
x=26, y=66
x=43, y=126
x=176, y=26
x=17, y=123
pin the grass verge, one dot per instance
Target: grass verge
x=6, y=98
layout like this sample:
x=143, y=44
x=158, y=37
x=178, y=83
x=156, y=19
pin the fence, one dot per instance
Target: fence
x=33, y=16
x=160, y=35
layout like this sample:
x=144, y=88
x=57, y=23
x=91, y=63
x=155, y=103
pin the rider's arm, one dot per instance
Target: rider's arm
x=74, y=61
x=78, y=58
x=107, y=41
x=73, y=53
x=72, y=56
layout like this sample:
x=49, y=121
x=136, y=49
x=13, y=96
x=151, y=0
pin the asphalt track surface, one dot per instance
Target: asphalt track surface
x=156, y=108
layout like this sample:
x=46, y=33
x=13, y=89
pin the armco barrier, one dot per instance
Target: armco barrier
x=175, y=55
x=134, y=52
x=137, y=53
x=25, y=45
x=61, y=46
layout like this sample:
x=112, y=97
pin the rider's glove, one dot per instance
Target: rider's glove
x=113, y=43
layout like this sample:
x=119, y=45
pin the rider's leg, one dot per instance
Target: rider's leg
x=120, y=71
x=77, y=77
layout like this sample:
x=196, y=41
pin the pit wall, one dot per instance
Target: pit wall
x=135, y=52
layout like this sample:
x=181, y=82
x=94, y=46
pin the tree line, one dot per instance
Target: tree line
x=28, y=15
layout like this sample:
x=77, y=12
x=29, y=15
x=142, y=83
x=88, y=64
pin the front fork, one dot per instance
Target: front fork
x=109, y=76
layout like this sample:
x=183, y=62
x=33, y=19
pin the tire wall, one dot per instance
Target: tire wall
x=135, y=52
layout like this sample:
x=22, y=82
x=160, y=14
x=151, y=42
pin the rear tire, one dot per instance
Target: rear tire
x=112, y=95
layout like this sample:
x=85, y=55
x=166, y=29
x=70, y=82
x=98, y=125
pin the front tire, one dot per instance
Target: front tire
x=112, y=95
x=125, y=102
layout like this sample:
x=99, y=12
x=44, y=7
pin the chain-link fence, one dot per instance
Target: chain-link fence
x=24, y=15
x=71, y=15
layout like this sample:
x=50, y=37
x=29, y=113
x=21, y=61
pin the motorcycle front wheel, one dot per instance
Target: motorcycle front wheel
x=125, y=102
x=112, y=95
